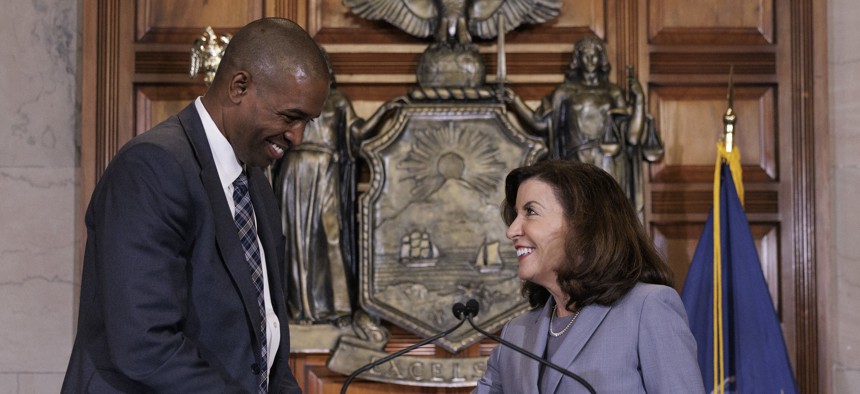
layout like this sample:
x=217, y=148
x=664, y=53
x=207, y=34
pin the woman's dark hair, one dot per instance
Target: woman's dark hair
x=606, y=248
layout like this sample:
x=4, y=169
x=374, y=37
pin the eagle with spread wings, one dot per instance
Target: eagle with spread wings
x=455, y=20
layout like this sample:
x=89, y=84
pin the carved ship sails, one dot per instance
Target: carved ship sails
x=488, y=259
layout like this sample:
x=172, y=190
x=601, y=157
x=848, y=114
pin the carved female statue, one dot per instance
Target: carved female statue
x=315, y=184
x=589, y=119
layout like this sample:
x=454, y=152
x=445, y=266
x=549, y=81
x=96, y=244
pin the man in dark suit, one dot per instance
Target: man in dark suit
x=182, y=278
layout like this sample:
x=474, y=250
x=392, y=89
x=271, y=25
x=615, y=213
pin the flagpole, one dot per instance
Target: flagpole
x=719, y=371
x=724, y=155
x=742, y=326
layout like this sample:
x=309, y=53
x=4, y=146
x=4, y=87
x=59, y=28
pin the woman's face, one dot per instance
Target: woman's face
x=590, y=58
x=538, y=232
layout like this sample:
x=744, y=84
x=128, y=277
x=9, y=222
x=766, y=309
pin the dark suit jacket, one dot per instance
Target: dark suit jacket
x=639, y=344
x=167, y=303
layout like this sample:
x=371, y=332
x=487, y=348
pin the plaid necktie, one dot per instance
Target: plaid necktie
x=248, y=235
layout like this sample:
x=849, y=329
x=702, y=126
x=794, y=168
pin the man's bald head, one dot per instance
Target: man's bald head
x=270, y=47
x=271, y=82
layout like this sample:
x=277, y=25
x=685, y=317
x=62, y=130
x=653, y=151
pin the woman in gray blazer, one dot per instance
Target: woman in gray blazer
x=601, y=296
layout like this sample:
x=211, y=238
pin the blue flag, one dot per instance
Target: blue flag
x=751, y=353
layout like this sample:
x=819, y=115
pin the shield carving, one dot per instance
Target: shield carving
x=431, y=232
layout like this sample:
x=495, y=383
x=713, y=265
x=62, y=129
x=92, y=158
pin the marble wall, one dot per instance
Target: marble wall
x=843, y=337
x=39, y=172
x=39, y=163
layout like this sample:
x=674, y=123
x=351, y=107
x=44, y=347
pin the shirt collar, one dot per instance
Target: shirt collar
x=226, y=162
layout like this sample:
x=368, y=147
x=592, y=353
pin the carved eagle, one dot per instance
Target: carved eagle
x=206, y=53
x=458, y=20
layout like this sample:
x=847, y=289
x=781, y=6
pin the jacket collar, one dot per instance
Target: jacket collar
x=585, y=326
x=226, y=235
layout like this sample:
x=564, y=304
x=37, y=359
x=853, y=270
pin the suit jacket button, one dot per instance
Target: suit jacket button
x=255, y=368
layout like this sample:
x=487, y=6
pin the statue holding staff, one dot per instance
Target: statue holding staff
x=592, y=120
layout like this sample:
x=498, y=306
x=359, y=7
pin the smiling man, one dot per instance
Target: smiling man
x=182, y=278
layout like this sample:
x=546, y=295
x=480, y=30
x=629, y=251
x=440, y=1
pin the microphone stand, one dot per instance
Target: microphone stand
x=472, y=310
x=401, y=352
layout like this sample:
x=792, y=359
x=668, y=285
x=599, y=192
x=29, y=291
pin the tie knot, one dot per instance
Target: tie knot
x=241, y=182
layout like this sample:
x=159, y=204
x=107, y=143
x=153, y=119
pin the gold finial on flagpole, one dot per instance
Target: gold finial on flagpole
x=729, y=117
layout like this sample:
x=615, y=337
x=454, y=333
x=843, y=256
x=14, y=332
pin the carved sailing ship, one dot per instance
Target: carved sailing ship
x=489, y=259
x=417, y=250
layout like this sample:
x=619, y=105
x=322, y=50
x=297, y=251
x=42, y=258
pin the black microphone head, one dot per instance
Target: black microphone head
x=472, y=307
x=459, y=310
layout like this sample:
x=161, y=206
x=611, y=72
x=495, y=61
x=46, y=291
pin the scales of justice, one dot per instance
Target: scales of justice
x=427, y=231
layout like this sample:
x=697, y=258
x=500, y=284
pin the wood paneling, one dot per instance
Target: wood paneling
x=690, y=123
x=711, y=22
x=183, y=21
x=156, y=103
x=692, y=202
x=759, y=63
x=803, y=61
x=295, y=10
x=107, y=114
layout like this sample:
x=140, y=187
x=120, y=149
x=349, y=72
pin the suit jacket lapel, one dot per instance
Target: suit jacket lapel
x=226, y=234
x=585, y=326
x=269, y=231
x=535, y=342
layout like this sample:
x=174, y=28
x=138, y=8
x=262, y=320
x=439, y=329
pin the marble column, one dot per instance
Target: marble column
x=843, y=337
x=39, y=186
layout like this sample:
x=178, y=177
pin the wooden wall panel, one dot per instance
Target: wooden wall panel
x=677, y=243
x=590, y=14
x=107, y=112
x=156, y=103
x=804, y=88
x=711, y=22
x=182, y=21
x=294, y=10
x=758, y=64
x=693, y=201
x=690, y=123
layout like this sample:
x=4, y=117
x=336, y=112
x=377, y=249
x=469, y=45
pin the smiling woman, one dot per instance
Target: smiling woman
x=539, y=232
x=601, y=297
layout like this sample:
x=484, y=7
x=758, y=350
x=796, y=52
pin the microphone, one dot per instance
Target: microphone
x=459, y=310
x=471, y=309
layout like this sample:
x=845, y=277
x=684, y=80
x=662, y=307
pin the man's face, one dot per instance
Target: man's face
x=271, y=119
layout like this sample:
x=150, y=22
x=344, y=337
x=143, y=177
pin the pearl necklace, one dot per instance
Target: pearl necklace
x=558, y=334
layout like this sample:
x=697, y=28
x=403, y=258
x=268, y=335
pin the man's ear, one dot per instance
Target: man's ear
x=239, y=84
